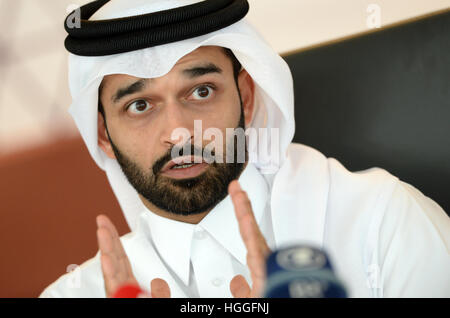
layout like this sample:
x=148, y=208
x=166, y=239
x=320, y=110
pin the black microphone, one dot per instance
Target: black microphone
x=301, y=271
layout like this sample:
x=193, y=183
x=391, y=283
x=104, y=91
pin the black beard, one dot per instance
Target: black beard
x=187, y=196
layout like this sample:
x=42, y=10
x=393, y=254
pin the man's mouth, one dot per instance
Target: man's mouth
x=184, y=167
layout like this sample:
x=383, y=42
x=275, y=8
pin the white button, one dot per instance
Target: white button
x=199, y=235
x=217, y=281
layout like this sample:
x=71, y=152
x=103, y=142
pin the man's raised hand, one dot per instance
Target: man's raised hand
x=116, y=267
x=257, y=248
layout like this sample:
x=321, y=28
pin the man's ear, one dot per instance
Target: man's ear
x=247, y=88
x=103, y=141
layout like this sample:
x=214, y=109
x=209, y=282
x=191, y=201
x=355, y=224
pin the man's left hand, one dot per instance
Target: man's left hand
x=257, y=248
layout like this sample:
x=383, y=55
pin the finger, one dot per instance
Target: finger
x=104, y=240
x=159, y=288
x=248, y=226
x=257, y=266
x=109, y=278
x=255, y=243
x=108, y=248
x=239, y=287
x=114, y=263
x=103, y=220
x=117, y=249
x=258, y=274
x=109, y=263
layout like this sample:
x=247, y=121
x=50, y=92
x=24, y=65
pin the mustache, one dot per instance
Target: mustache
x=192, y=150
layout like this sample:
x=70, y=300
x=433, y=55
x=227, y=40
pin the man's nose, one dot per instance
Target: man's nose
x=178, y=124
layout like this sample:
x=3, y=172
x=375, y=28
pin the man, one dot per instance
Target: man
x=205, y=230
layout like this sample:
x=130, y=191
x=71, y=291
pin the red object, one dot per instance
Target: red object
x=128, y=291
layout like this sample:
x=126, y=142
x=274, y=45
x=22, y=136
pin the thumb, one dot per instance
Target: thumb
x=239, y=287
x=159, y=288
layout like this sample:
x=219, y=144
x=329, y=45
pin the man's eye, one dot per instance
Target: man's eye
x=138, y=106
x=202, y=92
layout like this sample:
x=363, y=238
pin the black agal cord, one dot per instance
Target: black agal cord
x=112, y=36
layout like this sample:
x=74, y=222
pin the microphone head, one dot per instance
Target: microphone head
x=128, y=291
x=301, y=272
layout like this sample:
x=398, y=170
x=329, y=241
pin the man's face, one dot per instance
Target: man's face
x=142, y=114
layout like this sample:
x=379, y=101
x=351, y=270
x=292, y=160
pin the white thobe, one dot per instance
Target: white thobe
x=204, y=257
x=384, y=237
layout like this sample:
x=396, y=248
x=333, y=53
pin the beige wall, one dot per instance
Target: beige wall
x=293, y=24
x=34, y=94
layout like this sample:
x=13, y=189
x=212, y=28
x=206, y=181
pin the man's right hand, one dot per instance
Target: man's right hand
x=116, y=267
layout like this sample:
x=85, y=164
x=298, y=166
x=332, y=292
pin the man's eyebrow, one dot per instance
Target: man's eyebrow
x=200, y=70
x=191, y=72
x=130, y=89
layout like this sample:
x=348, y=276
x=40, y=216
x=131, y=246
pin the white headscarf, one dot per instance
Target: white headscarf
x=274, y=100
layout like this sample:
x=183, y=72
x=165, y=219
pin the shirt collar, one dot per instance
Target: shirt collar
x=173, y=238
x=221, y=223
